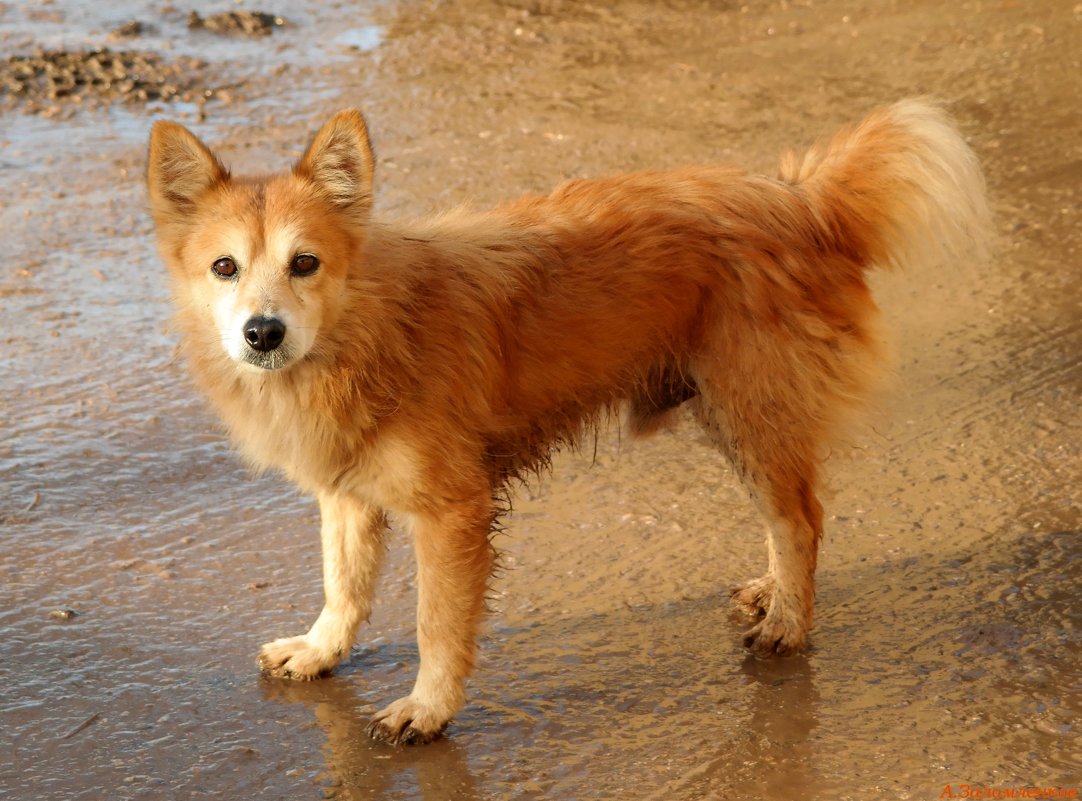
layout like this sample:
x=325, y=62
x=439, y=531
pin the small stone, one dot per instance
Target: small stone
x=129, y=30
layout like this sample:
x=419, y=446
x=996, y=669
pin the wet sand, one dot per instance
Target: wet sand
x=948, y=638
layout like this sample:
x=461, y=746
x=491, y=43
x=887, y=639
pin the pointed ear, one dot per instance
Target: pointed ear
x=180, y=169
x=341, y=162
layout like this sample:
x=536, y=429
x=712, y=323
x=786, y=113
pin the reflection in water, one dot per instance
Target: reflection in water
x=360, y=769
x=771, y=751
x=783, y=709
x=774, y=757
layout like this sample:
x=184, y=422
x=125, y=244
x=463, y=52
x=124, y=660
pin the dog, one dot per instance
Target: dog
x=418, y=367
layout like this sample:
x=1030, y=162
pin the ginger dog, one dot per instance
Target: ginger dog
x=415, y=368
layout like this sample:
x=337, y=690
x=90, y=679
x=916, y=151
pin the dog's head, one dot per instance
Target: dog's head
x=262, y=262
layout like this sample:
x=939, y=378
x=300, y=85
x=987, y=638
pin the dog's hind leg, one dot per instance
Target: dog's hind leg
x=352, y=538
x=784, y=597
x=774, y=452
x=454, y=565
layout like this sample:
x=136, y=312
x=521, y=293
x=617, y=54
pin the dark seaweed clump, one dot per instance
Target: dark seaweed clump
x=236, y=23
x=47, y=78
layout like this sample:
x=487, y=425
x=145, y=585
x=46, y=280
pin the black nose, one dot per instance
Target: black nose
x=264, y=333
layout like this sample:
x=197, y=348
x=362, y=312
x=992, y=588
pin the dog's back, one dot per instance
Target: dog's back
x=640, y=287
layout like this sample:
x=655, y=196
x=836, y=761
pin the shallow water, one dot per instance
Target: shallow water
x=949, y=624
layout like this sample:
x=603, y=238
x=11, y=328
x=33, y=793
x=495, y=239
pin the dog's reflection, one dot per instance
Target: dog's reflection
x=784, y=712
x=772, y=752
x=360, y=768
x=786, y=704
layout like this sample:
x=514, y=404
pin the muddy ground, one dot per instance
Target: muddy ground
x=948, y=641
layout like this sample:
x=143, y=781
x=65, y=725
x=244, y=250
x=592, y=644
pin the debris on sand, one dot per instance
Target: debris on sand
x=236, y=23
x=43, y=80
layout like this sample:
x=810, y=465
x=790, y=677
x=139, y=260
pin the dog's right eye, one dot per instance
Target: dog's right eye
x=225, y=267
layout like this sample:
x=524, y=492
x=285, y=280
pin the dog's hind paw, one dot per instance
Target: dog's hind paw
x=753, y=597
x=775, y=637
x=407, y=722
x=297, y=658
x=784, y=617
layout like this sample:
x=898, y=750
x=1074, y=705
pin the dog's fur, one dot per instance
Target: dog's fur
x=425, y=364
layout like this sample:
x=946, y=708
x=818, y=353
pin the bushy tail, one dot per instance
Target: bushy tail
x=900, y=188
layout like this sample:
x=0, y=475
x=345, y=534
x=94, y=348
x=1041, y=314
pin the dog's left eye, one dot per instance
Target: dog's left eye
x=304, y=264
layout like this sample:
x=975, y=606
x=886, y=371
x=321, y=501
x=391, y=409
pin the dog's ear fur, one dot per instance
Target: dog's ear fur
x=180, y=169
x=340, y=161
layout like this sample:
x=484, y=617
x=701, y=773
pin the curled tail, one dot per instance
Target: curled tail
x=900, y=188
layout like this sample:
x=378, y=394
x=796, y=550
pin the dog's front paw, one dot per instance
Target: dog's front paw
x=754, y=597
x=297, y=658
x=408, y=722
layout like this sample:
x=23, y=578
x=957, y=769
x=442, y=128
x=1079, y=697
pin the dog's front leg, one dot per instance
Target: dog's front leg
x=352, y=536
x=454, y=564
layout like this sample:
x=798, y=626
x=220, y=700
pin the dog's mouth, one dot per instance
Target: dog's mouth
x=267, y=360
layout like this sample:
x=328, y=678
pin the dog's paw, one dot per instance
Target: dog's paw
x=754, y=597
x=407, y=722
x=775, y=636
x=783, y=628
x=297, y=658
